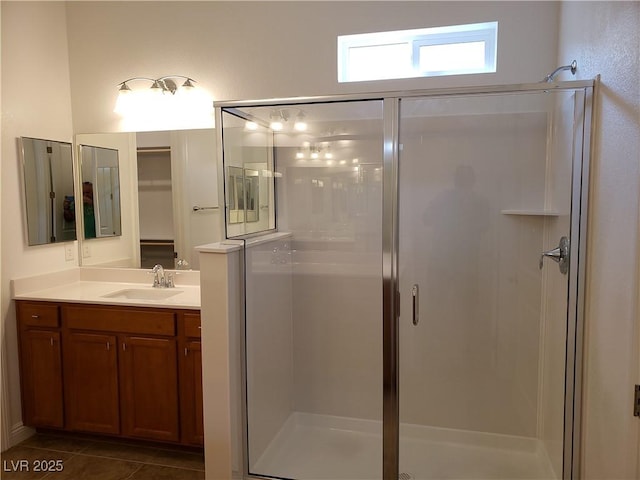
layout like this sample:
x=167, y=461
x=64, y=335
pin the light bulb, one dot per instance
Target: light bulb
x=251, y=125
x=124, y=103
x=276, y=125
x=156, y=88
x=300, y=125
x=188, y=84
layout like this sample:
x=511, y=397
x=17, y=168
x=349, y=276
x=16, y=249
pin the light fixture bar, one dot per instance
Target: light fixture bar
x=162, y=84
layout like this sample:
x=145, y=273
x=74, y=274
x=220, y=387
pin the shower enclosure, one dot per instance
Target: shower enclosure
x=414, y=269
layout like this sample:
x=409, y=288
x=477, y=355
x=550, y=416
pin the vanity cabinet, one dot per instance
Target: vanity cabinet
x=149, y=381
x=123, y=374
x=41, y=364
x=91, y=382
x=190, y=362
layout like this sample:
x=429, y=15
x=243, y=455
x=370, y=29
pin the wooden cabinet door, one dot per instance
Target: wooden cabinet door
x=91, y=382
x=41, y=362
x=191, y=394
x=149, y=384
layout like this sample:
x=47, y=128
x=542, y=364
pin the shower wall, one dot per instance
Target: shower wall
x=472, y=363
x=269, y=340
x=333, y=211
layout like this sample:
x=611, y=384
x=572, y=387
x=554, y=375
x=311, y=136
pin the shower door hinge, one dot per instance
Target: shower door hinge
x=636, y=402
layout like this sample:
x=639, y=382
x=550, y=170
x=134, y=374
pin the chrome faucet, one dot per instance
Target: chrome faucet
x=162, y=279
x=158, y=276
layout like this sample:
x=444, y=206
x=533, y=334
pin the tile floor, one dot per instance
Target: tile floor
x=90, y=458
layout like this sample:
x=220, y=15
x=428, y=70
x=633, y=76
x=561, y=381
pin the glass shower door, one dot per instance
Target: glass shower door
x=486, y=186
x=313, y=318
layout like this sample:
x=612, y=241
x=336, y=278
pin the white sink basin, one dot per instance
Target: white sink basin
x=144, y=293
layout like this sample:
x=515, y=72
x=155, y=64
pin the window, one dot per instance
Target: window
x=425, y=52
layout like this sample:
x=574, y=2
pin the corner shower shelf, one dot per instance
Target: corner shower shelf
x=532, y=212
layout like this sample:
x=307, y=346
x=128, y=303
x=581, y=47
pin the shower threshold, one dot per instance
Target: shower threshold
x=312, y=446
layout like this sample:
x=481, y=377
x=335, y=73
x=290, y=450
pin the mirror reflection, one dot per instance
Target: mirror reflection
x=249, y=169
x=235, y=184
x=252, y=191
x=169, y=198
x=100, y=192
x=244, y=194
x=48, y=186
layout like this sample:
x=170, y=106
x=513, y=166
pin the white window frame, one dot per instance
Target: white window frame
x=486, y=32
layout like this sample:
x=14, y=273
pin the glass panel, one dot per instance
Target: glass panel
x=452, y=57
x=249, y=176
x=313, y=308
x=485, y=188
x=379, y=62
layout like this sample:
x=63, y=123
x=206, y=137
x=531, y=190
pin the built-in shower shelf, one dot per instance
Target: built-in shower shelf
x=533, y=212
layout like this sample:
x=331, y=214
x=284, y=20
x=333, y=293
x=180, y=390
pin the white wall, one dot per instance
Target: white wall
x=3, y=377
x=604, y=37
x=37, y=103
x=240, y=50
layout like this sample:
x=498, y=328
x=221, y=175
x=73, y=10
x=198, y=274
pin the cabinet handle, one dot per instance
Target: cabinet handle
x=199, y=327
x=108, y=346
x=186, y=351
x=51, y=341
x=124, y=346
x=35, y=316
x=415, y=293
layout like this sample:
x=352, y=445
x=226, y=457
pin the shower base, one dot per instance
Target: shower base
x=311, y=446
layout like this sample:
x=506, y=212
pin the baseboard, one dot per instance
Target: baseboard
x=19, y=433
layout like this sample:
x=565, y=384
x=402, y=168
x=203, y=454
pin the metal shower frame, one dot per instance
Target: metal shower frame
x=587, y=90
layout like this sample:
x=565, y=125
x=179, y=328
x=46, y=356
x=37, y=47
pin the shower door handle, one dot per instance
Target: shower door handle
x=560, y=255
x=415, y=296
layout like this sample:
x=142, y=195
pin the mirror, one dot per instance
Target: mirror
x=48, y=187
x=100, y=192
x=169, y=198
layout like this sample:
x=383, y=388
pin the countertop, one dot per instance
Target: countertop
x=91, y=286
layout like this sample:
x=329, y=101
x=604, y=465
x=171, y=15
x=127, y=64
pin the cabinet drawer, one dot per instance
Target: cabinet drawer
x=107, y=319
x=191, y=325
x=37, y=314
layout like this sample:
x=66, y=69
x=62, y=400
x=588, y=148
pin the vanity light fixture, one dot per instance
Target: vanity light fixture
x=277, y=119
x=142, y=99
x=164, y=84
x=249, y=125
x=171, y=102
